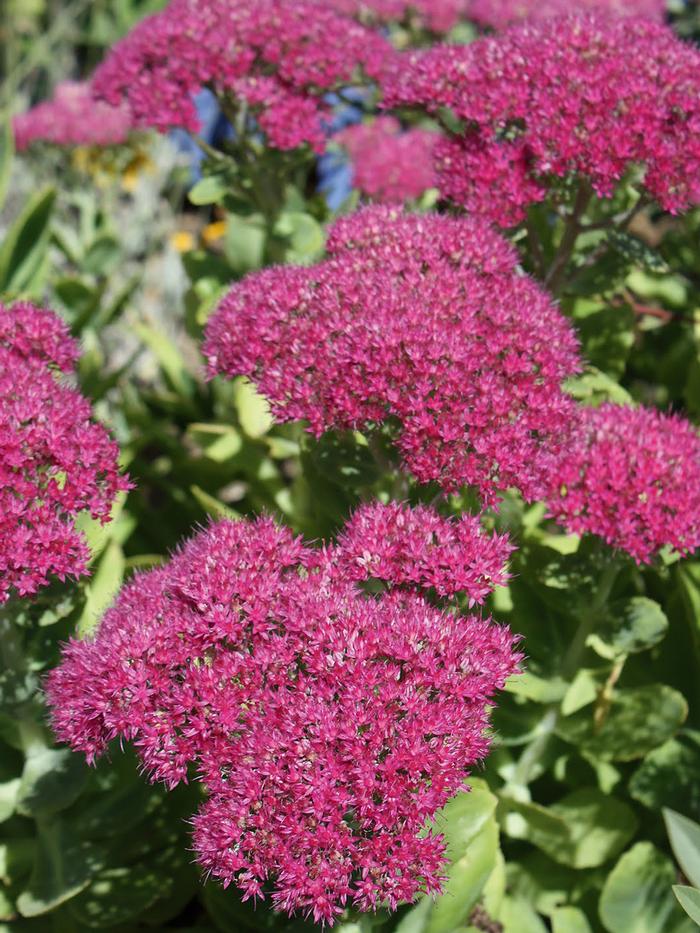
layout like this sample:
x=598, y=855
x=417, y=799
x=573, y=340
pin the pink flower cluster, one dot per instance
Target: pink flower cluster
x=54, y=460
x=389, y=164
x=72, y=118
x=436, y=15
x=425, y=322
x=587, y=96
x=500, y=13
x=417, y=547
x=327, y=725
x=632, y=476
x=280, y=56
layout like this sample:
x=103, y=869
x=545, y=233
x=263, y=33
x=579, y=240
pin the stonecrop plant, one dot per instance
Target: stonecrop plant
x=584, y=99
x=268, y=59
x=55, y=460
x=501, y=13
x=394, y=325
x=388, y=164
x=73, y=117
x=426, y=327
x=326, y=724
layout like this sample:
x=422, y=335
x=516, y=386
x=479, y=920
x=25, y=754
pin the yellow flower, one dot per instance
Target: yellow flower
x=213, y=232
x=182, y=241
x=138, y=165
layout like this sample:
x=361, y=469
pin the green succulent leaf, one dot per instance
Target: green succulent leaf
x=570, y=920
x=245, y=241
x=637, y=895
x=9, y=792
x=253, y=409
x=7, y=151
x=668, y=775
x=637, y=251
x=685, y=842
x=209, y=190
x=629, y=626
x=582, y=830
x=689, y=899
x=102, y=588
x=639, y=720
x=53, y=778
x=23, y=251
x=63, y=867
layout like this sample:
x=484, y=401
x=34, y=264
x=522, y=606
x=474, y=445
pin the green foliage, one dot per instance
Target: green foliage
x=668, y=775
x=23, y=250
x=689, y=899
x=7, y=149
x=639, y=720
x=582, y=830
x=630, y=626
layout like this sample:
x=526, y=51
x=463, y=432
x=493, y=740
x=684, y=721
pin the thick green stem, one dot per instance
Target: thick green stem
x=536, y=251
x=210, y=151
x=569, y=666
x=620, y=221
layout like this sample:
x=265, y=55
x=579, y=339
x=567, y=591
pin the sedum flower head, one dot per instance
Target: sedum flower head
x=588, y=96
x=280, y=56
x=632, y=476
x=389, y=164
x=419, y=548
x=500, y=13
x=423, y=321
x=72, y=118
x=54, y=460
x=326, y=725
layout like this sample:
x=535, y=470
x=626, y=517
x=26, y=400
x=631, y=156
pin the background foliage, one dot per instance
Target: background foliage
x=563, y=829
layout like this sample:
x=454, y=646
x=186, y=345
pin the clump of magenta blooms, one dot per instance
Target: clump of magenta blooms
x=327, y=725
x=332, y=698
x=272, y=59
x=418, y=547
x=73, y=118
x=632, y=476
x=582, y=97
x=55, y=461
x=424, y=320
x=388, y=164
x=500, y=13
